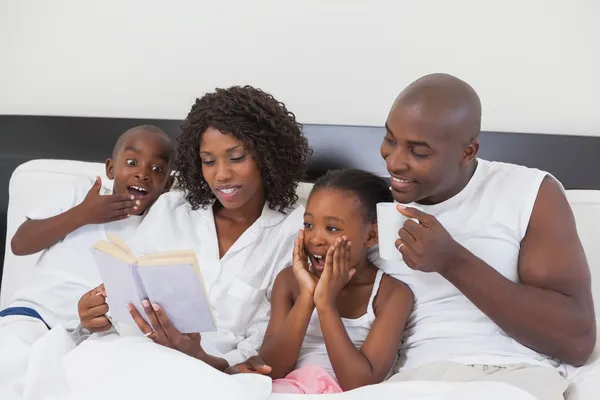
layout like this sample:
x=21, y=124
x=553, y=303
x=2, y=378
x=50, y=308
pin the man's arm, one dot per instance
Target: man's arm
x=552, y=310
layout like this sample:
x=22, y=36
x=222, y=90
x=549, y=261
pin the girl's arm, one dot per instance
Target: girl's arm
x=369, y=365
x=287, y=326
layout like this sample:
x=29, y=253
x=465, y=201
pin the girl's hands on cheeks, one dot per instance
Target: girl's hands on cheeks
x=306, y=280
x=336, y=274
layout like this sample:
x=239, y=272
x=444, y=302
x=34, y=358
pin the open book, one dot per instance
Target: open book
x=171, y=279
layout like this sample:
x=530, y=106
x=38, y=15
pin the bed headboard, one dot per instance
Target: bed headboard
x=574, y=160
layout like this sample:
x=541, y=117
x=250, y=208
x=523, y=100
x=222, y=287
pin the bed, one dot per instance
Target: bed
x=36, y=154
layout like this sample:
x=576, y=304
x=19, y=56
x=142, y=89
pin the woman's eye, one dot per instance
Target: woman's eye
x=208, y=162
x=131, y=162
x=237, y=159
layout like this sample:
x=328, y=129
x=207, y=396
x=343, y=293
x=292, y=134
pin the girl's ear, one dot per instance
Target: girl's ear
x=373, y=236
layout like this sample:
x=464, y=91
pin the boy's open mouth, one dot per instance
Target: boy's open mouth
x=137, y=191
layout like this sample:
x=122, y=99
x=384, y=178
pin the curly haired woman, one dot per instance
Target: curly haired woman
x=240, y=157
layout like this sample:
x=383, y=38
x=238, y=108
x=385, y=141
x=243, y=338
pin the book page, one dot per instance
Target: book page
x=178, y=289
x=120, y=284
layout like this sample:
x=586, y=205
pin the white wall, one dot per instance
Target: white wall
x=535, y=63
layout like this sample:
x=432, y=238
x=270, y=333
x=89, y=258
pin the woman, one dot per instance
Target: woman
x=240, y=157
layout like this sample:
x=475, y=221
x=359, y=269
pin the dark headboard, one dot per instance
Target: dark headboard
x=574, y=160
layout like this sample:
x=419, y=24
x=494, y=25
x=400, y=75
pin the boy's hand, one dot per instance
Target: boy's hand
x=99, y=209
x=92, y=309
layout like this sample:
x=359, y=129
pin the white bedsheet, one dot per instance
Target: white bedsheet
x=113, y=367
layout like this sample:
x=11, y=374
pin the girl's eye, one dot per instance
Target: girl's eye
x=332, y=229
x=157, y=169
x=131, y=162
x=307, y=225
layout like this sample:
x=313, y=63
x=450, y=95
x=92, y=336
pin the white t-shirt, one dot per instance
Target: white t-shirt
x=489, y=217
x=239, y=284
x=67, y=269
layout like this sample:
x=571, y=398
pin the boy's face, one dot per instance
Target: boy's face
x=141, y=167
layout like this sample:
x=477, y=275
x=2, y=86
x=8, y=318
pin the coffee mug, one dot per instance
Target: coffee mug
x=389, y=222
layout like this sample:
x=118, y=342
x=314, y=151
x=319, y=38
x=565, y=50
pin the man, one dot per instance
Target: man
x=502, y=286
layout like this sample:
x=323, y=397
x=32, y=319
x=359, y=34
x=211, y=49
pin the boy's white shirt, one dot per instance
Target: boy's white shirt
x=239, y=284
x=67, y=269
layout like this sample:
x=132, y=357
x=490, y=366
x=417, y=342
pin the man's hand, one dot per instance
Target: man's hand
x=253, y=365
x=92, y=309
x=426, y=246
x=100, y=209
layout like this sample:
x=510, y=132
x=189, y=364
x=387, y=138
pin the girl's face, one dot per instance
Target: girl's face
x=329, y=215
x=231, y=171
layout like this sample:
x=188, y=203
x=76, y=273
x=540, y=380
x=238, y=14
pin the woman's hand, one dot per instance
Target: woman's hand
x=306, y=280
x=336, y=274
x=162, y=331
x=92, y=309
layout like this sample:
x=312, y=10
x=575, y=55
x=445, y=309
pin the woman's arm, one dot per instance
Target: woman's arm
x=369, y=365
x=287, y=326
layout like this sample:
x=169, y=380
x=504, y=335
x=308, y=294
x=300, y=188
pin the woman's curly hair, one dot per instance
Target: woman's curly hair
x=267, y=129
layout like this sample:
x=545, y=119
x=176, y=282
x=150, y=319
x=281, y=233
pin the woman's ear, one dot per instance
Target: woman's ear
x=110, y=169
x=373, y=236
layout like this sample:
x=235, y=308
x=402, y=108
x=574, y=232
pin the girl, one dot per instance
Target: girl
x=337, y=323
x=240, y=156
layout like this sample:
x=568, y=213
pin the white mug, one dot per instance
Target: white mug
x=389, y=222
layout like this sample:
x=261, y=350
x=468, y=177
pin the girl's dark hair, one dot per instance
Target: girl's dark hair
x=265, y=126
x=369, y=188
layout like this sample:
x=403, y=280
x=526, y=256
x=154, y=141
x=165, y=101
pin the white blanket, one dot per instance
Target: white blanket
x=113, y=367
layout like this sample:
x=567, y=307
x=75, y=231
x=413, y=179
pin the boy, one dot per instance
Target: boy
x=67, y=228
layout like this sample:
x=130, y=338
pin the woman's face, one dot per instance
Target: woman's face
x=230, y=169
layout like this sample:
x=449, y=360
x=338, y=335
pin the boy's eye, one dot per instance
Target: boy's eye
x=131, y=162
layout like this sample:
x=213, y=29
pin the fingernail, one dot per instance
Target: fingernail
x=155, y=307
x=349, y=243
x=145, y=303
x=135, y=207
x=138, y=202
x=402, y=206
x=129, y=215
x=129, y=307
x=98, y=294
x=132, y=197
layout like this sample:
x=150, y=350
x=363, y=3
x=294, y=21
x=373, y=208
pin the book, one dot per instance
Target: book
x=170, y=279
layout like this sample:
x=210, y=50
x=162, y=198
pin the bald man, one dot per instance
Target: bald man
x=501, y=282
x=65, y=229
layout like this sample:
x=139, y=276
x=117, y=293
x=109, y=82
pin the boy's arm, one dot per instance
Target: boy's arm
x=287, y=326
x=35, y=235
x=369, y=365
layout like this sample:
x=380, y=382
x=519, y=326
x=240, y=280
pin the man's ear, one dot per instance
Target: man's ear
x=373, y=236
x=110, y=169
x=169, y=183
x=470, y=152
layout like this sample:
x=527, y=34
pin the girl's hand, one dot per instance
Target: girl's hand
x=336, y=274
x=307, y=281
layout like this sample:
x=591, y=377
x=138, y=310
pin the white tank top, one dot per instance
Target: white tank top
x=489, y=217
x=314, y=352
